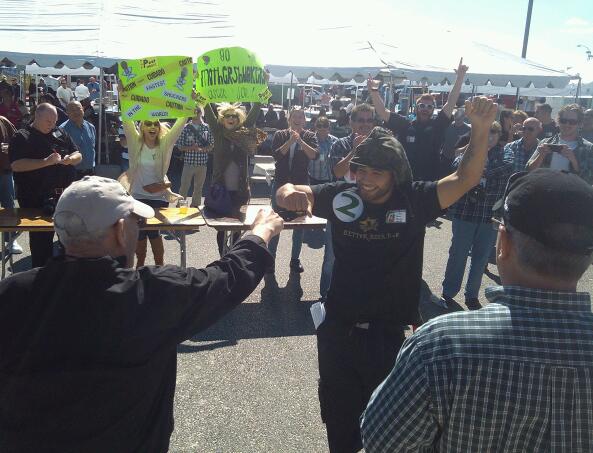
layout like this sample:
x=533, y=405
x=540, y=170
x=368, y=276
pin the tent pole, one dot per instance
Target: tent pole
x=290, y=96
x=578, y=93
x=517, y=99
x=100, y=114
x=282, y=94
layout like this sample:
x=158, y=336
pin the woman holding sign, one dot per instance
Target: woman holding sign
x=150, y=152
x=235, y=139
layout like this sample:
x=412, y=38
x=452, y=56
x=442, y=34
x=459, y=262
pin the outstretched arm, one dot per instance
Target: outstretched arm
x=380, y=109
x=481, y=112
x=295, y=198
x=454, y=94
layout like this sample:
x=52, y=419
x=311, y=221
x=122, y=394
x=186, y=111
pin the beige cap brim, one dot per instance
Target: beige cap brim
x=143, y=210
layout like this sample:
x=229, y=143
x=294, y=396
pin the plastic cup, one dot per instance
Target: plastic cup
x=183, y=205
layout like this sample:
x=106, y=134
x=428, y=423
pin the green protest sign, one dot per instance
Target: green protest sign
x=156, y=87
x=231, y=74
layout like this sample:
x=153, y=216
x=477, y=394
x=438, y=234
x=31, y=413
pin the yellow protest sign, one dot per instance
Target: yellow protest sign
x=231, y=74
x=156, y=87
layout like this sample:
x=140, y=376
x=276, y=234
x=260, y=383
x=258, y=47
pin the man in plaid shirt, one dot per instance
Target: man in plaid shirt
x=517, y=375
x=195, y=142
x=524, y=148
x=472, y=226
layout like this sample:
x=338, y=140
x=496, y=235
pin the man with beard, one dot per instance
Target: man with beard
x=423, y=137
x=378, y=233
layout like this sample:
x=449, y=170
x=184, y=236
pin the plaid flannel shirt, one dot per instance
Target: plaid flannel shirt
x=321, y=168
x=583, y=153
x=339, y=150
x=195, y=135
x=520, y=155
x=515, y=376
x=479, y=210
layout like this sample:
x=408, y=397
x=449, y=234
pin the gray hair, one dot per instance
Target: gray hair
x=73, y=232
x=552, y=262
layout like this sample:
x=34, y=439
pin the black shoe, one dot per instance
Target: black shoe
x=473, y=303
x=296, y=266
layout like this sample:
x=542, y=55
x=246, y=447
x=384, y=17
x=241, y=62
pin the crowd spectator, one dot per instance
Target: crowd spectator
x=517, y=118
x=89, y=345
x=569, y=152
x=513, y=376
x=506, y=123
x=195, y=142
x=293, y=149
x=423, y=137
x=16, y=89
x=271, y=117
x=64, y=93
x=453, y=133
x=7, y=195
x=81, y=91
x=51, y=99
x=543, y=112
x=472, y=225
x=84, y=135
x=150, y=152
x=343, y=118
x=282, y=121
x=43, y=159
x=522, y=149
x=587, y=129
x=94, y=88
x=320, y=172
x=234, y=141
x=8, y=107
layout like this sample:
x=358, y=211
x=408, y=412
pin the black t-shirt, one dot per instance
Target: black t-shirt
x=422, y=142
x=548, y=130
x=29, y=143
x=378, y=248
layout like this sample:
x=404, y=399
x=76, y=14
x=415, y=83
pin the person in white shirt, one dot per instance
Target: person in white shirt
x=64, y=93
x=81, y=91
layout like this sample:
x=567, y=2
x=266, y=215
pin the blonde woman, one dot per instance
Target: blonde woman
x=235, y=139
x=150, y=151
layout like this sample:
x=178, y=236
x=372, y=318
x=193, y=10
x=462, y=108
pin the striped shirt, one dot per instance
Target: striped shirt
x=520, y=155
x=320, y=168
x=195, y=134
x=515, y=376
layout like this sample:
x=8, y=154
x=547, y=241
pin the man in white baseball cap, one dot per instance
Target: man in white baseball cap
x=89, y=344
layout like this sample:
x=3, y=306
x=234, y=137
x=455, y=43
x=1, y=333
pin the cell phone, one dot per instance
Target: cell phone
x=555, y=148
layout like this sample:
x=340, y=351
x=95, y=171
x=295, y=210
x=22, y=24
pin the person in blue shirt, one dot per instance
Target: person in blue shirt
x=94, y=88
x=83, y=134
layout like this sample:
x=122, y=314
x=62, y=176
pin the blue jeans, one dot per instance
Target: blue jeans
x=477, y=237
x=297, y=235
x=6, y=194
x=328, y=262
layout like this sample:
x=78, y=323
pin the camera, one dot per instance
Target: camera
x=555, y=148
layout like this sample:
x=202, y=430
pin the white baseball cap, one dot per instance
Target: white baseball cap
x=98, y=203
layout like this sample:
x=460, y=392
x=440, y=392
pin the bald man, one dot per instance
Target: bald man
x=43, y=160
x=84, y=136
x=524, y=148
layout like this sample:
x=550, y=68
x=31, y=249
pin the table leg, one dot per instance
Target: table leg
x=12, y=237
x=182, y=249
x=3, y=258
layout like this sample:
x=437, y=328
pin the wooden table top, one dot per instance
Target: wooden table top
x=231, y=224
x=29, y=219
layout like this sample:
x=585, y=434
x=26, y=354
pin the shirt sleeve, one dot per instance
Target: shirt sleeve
x=441, y=123
x=323, y=195
x=17, y=148
x=397, y=123
x=425, y=201
x=399, y=416
x=182, y=302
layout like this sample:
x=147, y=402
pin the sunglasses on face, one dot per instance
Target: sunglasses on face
x=231, y=115
x=319, y=126
x=362, y=120
x=528, y=128
x=570, y=121
x=151, y=123
x=422, y=105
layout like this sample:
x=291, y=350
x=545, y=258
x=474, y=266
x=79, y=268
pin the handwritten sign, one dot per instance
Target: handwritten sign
x=231, y=74
x=156, y=87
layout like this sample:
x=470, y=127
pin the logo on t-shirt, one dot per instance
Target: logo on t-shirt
x=347, y=206
x=396, y=216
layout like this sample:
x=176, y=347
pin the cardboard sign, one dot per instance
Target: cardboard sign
x=231, y=74
x=156, y=87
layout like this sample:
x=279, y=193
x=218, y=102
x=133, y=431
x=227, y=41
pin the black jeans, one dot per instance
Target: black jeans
x=41, y=244
x=353, y=361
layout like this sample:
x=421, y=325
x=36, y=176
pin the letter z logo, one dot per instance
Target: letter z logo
x=347, y=206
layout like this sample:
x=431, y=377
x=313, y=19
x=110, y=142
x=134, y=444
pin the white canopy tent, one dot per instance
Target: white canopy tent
x=35, y=69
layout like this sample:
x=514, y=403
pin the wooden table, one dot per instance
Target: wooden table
x=32, y=220
x=230, y=225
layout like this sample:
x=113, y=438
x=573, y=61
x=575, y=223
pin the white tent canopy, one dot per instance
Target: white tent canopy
x=105, y=31
x=34, y=69
x=531, y=91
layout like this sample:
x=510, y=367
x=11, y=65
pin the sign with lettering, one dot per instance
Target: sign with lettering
x=156, y=87
x=231, y=74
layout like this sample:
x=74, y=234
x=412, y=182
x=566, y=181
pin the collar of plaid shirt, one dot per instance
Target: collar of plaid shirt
x=539, y=298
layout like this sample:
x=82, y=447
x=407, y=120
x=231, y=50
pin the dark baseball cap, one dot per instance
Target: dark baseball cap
x=535, y=201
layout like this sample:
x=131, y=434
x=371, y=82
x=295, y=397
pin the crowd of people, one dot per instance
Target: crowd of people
x=513, y=376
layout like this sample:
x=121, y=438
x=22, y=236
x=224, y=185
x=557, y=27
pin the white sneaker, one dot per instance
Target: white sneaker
x=16, y=249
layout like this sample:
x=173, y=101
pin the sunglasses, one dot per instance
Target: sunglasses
x=528, y=128
x=152, y=123
x=231, y=115
x=368, y=120
x=570, y=121
x=422, y=105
